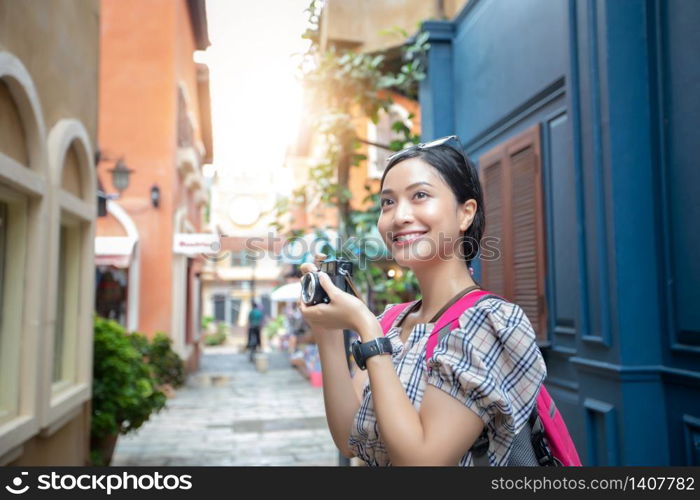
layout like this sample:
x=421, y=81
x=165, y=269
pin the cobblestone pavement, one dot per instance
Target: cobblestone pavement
x=230, y=414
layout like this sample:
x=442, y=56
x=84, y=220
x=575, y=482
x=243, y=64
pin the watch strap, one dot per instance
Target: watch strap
x=364, y=351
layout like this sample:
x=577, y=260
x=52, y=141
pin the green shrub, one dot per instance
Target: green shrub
x=124, y=388
x=206, y=320
x=169, y=367
x=140, y=343
x=274, y=326
x=217, y=338
x=222, y=328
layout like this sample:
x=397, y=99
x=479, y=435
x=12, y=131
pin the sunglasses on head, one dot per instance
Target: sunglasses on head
x=451, y=141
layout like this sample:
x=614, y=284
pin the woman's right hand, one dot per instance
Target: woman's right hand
x=309, y=267
x=312, y=267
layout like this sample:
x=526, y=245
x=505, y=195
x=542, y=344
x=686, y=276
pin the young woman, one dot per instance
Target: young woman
x=484, y=375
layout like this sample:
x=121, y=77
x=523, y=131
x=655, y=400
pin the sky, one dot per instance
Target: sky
x=255, y=96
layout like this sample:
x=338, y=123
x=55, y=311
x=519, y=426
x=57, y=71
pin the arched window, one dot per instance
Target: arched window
x=24, y=195
x=71, y=270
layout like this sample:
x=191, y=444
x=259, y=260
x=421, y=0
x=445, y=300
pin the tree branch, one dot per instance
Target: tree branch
x=376, y=145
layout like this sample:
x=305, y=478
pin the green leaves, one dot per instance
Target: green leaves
x=168, y=366
x=344, y=87
x=358, y=158
x=217, y=338
x=274, y=326
x=377, y=61
x=390, y=290
x=125, y=382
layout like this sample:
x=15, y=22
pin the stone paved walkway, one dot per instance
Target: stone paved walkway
x=230, y=414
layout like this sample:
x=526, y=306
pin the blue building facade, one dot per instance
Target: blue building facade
x=610, y=91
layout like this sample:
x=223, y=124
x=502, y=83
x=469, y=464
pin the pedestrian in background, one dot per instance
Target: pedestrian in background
x=255, y=318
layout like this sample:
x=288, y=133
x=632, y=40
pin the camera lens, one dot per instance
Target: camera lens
x=312, y=292
x=308, y=288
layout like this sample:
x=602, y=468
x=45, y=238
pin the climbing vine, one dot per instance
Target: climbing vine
x=345, y=85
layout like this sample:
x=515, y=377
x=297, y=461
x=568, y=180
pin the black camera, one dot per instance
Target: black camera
x=339, y=271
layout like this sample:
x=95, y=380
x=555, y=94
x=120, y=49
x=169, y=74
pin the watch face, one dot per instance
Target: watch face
x=357, y=354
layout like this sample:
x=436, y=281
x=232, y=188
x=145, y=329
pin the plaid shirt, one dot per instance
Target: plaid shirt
x=491, y=364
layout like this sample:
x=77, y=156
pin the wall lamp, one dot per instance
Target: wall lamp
x=120, y=175
x=155, y=195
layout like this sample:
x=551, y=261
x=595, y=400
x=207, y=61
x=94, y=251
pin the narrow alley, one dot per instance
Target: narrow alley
x=229, y=414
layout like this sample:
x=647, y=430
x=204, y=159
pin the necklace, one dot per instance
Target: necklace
x=444, y=308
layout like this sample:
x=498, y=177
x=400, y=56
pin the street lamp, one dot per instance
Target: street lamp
x=155, y=195
x=120, y=175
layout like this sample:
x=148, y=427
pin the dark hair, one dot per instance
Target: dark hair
x=459, y=173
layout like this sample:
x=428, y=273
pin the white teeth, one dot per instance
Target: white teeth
x=408, y=237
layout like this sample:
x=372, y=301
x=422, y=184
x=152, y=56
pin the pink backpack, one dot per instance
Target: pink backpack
x=545, y=440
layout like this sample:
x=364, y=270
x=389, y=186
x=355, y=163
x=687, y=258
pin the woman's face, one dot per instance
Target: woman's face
x=420, y=219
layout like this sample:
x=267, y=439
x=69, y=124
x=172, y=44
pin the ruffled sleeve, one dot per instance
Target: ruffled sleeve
x=492, y=365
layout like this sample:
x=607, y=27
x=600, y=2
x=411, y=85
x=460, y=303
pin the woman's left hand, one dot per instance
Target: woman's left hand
x=344, y=310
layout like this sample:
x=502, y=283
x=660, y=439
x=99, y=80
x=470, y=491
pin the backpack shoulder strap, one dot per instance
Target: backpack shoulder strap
x=449, y=320
x=390, y=316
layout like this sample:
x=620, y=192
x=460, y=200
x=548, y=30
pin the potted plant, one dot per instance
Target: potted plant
x=168, y=367
x=208, y=324
x=124, y=390
x=217, y=338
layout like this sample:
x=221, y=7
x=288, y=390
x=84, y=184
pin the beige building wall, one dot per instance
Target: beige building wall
x=48, y=127
x=67, y=446
x=453, y=7
x=58, y=44
x=368, y=24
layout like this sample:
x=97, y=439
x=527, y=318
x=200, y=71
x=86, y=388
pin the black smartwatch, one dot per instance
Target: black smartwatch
x=362, y=352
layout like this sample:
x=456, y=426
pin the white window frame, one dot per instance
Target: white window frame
x=29, y=182
x=61, y=401
x=12, y=302
x=71, y=290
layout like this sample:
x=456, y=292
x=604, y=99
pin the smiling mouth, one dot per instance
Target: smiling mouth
x=407, y=238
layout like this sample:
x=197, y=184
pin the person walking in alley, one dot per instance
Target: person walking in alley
x=409, y=404
x=255, y=318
